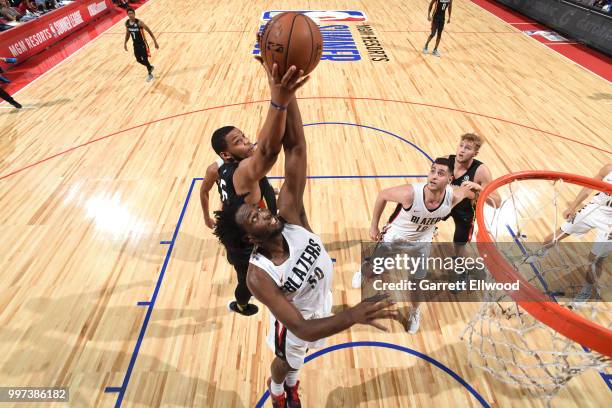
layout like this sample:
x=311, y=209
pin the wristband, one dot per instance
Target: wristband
x=277, y=106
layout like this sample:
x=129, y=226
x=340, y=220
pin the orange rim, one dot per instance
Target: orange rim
x=557, y=317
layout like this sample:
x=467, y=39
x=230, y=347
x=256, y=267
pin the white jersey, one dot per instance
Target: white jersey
x=306, y=276
x=417, y=223
x=603, y=199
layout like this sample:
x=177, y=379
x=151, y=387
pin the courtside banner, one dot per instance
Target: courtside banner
x=34, y=36
x=584, y=24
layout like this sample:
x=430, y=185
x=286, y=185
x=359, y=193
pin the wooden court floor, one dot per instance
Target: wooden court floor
x=114, y=220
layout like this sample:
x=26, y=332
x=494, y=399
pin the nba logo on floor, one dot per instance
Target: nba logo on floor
x=323, y=16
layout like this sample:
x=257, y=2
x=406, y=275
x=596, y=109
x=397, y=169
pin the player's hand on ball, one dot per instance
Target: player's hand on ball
x=568, y=213
x=374, y=233
x=283, y=89
x=372, y=309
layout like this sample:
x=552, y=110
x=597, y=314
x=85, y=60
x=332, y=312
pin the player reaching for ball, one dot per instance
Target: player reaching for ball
x=290, y=271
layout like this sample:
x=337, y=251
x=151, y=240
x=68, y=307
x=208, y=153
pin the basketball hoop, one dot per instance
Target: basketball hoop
x=545, y=347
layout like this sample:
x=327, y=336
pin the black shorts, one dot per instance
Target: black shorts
x=464, y=226
x=437, y=25
x=141, y=51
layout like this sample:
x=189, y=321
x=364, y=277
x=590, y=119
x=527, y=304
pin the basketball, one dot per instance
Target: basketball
x=291, y=39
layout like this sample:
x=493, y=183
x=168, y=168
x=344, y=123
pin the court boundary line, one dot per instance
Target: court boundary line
x=542, y=44
x=393, y=346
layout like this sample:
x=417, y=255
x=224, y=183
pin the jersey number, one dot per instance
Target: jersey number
x=222, y=185
x=133, y=35
x=318, y=275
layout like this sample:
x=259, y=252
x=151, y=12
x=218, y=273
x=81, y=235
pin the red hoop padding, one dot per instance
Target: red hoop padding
x=557, y=317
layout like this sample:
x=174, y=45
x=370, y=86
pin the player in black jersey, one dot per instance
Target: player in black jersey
x=135, y=28
x=437, y=22
x=242, y=175
x=467, y=168
x=233, y=146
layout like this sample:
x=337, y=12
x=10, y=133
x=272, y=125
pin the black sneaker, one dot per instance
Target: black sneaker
x=249, y=310
x=16, y=105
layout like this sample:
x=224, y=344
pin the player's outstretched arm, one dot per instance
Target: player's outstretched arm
x=269, y=141
x=585, y=192
x=291, y=196
x=403, y=195
x=483, y=177
x=209, y=181
x=267, y=292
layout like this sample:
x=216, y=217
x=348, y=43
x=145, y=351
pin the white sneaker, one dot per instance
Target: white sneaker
x=435, y=53
x=425, y=50
x=357, y=278
x=414, y=321
x=149, y=77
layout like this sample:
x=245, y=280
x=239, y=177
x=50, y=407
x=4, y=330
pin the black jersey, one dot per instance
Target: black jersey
x=136, y=31
x=441, y=7
x=465, y=206
x=225, y=185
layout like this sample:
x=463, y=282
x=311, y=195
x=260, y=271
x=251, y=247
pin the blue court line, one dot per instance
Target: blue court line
x=606, y=377
x=165, y=242
x=392, y=346
x=121, y=390
x=147, y=303
x=373, y=128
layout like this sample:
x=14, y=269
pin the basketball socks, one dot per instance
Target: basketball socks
x=276, y=389
x=292, y=378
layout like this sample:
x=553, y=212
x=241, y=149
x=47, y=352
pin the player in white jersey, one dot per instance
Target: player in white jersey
x=420, y=206
x=291, y=273
x=596, y=214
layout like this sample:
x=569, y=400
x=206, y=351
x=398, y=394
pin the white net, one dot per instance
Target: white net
x=505, y=340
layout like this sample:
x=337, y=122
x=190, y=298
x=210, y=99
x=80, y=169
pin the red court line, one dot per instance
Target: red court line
x=450, y=32
x=304, y=98
x=192, y=32
x=588, y=58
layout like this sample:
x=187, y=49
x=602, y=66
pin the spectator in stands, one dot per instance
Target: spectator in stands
x=603, y=4
x=8, y=12
x=25, y=6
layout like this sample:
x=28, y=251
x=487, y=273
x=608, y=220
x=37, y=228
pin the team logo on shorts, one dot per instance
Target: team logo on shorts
x=322, y=16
